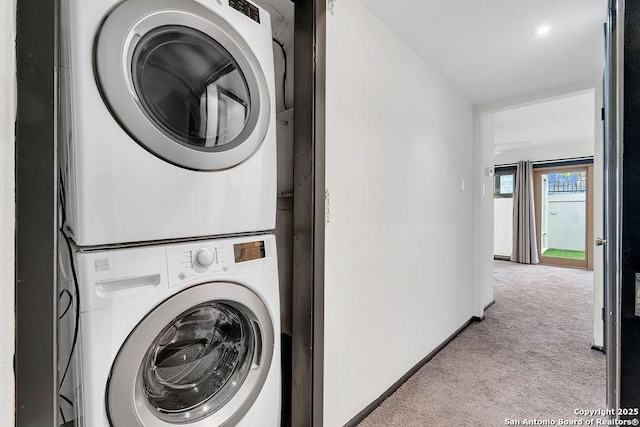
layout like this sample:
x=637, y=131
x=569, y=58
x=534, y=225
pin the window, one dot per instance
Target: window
x=503, y=183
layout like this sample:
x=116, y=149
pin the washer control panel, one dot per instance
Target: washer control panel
x=204, y=257
x=249, y=251
x=198, y=260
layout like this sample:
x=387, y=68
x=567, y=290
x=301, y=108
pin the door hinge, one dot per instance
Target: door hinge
x=602, y=114
x=331, y=5
x=604, y=316
x=600, y=241
x=327, y=201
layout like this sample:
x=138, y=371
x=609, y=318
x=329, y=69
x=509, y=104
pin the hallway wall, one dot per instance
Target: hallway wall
x=399, y=235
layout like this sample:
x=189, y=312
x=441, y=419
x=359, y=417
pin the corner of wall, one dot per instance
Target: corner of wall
x=477, y=215
x=483, y=209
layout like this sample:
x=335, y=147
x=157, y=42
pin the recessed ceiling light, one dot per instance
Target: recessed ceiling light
x=541, y=30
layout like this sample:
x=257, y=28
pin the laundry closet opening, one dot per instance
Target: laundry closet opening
x=216, y=136
x=176, y=170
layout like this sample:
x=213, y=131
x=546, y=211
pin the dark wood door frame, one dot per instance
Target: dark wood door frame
x=36, y=214
x=308, y=214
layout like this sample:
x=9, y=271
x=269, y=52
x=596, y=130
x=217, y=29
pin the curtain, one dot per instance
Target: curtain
x=525, y=247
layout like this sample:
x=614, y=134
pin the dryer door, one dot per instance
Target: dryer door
x=183, y=82
x=200, y=357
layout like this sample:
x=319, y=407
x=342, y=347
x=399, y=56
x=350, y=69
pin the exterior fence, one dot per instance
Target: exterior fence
x=563, y=187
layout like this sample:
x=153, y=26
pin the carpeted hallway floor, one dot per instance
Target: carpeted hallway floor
x=530, y=358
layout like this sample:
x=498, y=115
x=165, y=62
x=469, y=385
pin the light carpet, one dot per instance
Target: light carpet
x=531, y=358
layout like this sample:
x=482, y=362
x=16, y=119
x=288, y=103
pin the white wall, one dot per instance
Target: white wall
x=566, y=221
x=399, y=244
x=502, y=226
x=7, y=210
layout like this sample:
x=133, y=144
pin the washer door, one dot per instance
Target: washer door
x=200, y=357
x=182, y=82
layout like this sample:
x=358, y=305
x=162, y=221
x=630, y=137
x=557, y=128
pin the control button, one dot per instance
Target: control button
x=182, y=276
x=225, y=268
x=204, y=257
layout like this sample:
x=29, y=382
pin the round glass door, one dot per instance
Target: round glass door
x=183, y=82
x=200, y=357
x=198, y=362
x=190, y=87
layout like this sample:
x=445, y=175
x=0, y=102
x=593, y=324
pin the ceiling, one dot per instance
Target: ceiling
x=486, y=49
x=565, y=121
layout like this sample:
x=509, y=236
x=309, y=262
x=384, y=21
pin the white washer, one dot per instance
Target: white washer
x=168, y=119
x=180, y=333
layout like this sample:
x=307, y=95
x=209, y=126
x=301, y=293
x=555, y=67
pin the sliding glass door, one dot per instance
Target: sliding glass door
x=564, y=214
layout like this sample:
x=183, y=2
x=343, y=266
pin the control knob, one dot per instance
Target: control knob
x=204, y=257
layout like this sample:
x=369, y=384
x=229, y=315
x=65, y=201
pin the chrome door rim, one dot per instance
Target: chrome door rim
x=125, y=400
x=116, y=42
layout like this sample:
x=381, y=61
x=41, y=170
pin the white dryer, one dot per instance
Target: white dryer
x=168, y=119
x=180, y=333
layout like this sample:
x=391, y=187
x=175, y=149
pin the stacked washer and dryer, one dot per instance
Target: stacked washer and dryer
x=168, y=172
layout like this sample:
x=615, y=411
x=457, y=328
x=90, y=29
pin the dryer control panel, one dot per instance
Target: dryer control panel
x=246, y=8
